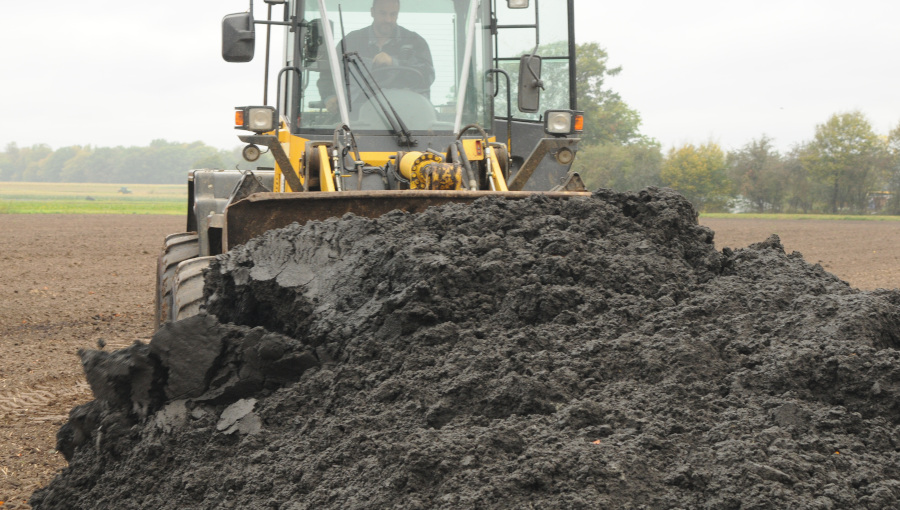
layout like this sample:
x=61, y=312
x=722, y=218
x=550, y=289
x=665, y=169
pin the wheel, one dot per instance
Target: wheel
x=177, y=249
x=187, y=287
x=399, y=77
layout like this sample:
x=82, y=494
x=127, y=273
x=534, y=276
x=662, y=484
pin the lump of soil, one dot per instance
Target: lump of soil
x=583, y=353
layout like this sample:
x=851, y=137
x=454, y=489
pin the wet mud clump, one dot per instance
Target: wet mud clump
x=583, y=353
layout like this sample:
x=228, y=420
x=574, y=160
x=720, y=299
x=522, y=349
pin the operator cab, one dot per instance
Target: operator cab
x=411, y=75
x=426, y=96
x=424, y=45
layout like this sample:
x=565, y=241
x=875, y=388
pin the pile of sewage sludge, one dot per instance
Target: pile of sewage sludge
x=592, y=352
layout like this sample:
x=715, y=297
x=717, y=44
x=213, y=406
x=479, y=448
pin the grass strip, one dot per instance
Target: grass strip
x=91, y=198
x=89, y=207
x=828, y=217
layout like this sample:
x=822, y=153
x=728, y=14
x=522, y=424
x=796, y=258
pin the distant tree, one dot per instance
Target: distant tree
x=170, y=161
x=161, y=162
x=107, y=164
x=607, y=117
x=25, y=163
x=50, y=168
x=893, y=166
x=846, y=156
x=620, y=167
x=758, y=174
x=801, y=193
x=699, y=174
x=7, y=158
x=893, y=141
x=78, y=168
x=142, y=164
x=210, y=161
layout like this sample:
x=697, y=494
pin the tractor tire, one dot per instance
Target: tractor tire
x=187, y=288
x=177, y=249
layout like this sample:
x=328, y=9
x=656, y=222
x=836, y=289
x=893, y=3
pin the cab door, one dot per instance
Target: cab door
x=544, y=28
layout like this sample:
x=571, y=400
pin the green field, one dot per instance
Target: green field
x=86, y=198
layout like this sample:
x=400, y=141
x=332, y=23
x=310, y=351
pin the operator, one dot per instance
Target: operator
x=383, y=45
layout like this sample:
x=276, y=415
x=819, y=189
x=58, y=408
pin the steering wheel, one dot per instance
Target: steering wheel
x=399, y=77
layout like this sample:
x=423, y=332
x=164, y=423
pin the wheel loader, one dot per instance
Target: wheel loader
x=383, y=105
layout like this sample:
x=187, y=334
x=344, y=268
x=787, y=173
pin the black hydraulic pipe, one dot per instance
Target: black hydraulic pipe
x=573, y=77
x=508, y=107
x=268, y=45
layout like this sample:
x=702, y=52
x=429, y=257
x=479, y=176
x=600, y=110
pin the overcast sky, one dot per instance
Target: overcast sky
x=110, y=73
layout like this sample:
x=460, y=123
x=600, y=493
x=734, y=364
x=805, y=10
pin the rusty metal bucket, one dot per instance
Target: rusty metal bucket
x=261, y=212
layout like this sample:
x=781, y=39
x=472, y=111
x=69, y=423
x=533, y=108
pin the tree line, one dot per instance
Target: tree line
x=846, y=168
x=161, y=162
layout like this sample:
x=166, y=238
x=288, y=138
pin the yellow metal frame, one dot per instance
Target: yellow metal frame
x=295, y=145
x=499, y=183
x=326, y=176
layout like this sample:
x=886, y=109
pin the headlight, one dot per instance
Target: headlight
x=251, y=153
x=563, y=122
x=255, y=118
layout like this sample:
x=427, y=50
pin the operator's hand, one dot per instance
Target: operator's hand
x=383, y=59
x=331, y=104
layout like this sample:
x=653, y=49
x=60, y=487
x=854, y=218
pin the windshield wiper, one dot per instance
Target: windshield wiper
x=373, y=92
x=370, y=87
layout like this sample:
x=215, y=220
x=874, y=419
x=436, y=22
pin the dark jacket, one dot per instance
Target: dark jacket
x=406, y=48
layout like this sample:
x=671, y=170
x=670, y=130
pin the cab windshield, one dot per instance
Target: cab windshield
x=400, y=63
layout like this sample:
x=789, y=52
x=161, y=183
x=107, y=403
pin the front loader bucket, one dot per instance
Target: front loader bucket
x=261, y=212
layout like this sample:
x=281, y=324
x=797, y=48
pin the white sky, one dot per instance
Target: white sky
x=110, y=73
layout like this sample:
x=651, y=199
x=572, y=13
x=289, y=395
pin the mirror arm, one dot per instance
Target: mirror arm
x=281, y=23
x=537, y=81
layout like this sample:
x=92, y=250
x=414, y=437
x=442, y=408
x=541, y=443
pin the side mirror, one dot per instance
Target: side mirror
x=530, y=83
x=238, y=37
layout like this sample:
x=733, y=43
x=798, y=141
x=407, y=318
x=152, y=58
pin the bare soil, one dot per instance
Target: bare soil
x=71, y=281
x=67, y=282
x=864, y=253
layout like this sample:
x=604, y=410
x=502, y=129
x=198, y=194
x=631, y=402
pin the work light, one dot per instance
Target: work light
x=255, y=118
x=563, y=122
